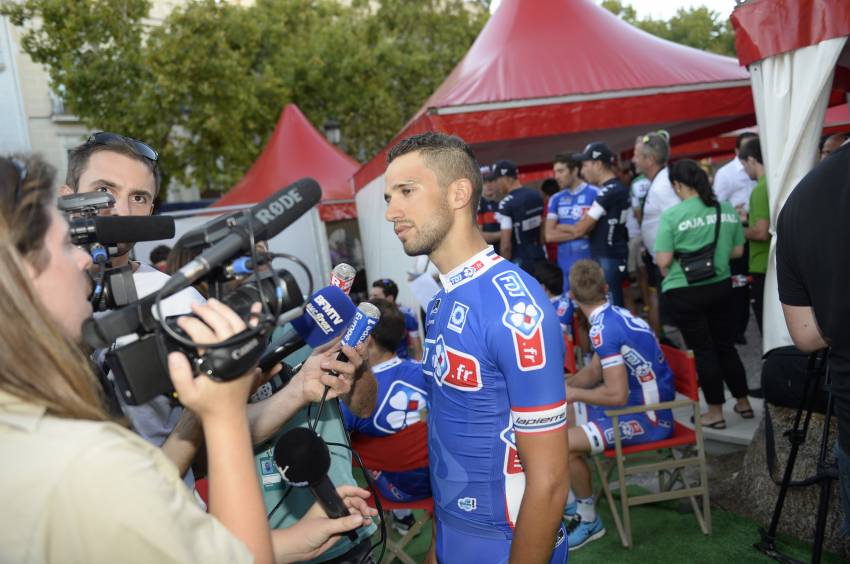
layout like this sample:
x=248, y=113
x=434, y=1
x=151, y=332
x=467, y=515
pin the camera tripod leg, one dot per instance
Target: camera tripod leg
x=797, y=436
x=825, y=485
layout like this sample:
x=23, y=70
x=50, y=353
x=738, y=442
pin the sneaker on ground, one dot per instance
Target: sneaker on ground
x=579, y=532
x=571, y=511
x=403, y=525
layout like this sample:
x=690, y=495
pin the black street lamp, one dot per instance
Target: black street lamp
x=332, y=131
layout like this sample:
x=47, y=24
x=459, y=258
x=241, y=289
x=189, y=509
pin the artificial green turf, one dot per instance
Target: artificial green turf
x=661, y=533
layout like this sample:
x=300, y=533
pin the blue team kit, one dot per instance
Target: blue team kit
x=567, y=208
x=493, y=367
x=619, y=338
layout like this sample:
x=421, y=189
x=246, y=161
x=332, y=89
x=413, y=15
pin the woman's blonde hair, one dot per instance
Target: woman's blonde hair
x=38, y=363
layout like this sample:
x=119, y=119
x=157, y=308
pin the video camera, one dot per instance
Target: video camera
x=237, y=275
x=100, y=235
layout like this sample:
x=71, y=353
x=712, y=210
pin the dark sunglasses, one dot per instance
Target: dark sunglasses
x=22, y=177
x=141, y=149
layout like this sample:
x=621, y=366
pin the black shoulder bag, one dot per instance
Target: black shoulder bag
x=699, y=265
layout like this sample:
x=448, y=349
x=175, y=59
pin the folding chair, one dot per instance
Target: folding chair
x=570, y=356
x=406, y=450
x=626, y=460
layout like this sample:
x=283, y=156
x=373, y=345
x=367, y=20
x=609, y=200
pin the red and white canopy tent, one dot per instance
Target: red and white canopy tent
x=547, y=77
x=297, y=149
x=798, y=55
x=722, y=147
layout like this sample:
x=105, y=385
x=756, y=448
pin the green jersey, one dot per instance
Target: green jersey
x=689, y=226
x=759, y=209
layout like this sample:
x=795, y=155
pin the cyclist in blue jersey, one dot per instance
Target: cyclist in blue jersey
x=493, y=364
x=552, y=279
x=567, y=207
x=627, y=369
x=606, y=219
x=520, y=216
x=401, y=400
x=410, y=346
x=488, y=209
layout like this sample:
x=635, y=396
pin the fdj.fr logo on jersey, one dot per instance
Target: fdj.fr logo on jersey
x=524, y=318
x=641, y=367
x=467, y=272
x=454, y=368
x=512, y=462
x=628, y=430
x=400, y=407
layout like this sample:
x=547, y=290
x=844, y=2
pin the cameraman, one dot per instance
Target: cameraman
x=812, y=270
x=75, y=486
x=128, y=170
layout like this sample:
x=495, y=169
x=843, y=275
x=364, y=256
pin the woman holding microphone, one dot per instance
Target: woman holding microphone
x=77, y=487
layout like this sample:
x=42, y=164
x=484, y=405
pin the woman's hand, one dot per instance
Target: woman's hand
x=315, y=533
x=215, y=323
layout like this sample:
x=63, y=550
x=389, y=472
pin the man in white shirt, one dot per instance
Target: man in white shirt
x=731, y=182
x=650, y=158
x=127, y=169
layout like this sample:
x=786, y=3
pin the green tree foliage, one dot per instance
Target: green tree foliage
x=697, y=27
x=207, y=85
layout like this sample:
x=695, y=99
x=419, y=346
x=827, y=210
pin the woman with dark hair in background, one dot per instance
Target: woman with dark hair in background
x=693, y=255
x=74, y=485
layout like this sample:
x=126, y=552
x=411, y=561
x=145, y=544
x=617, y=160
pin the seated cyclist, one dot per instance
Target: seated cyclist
x=628, y=369
x=551, y=277
x=401, y=396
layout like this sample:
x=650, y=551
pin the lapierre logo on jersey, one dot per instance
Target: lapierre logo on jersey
x=457, y=319
x=524, y=318
x=539, y=419
x=454, y=368
x=466, y=273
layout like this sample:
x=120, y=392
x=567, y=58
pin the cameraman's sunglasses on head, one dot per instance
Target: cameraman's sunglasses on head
x=142, y=149
x=21, y=166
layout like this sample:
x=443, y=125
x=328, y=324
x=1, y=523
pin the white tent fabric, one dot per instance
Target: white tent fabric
x=790, y=91
x=382, y=250
x=305, y=239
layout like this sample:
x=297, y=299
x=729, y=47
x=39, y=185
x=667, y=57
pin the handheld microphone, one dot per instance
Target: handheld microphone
x=342, y=277
x=325, y=317
x=365, y=319
x=303, y=460
x=358, y=331
x=267, y=219
x=111, y=230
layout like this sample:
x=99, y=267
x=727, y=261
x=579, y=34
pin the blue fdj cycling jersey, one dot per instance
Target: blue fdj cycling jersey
x=401, y=397
x=565, y=310
x=522, y=211
x=619, y=338
x=609, y=237
x=411, y=331
x=493, y=361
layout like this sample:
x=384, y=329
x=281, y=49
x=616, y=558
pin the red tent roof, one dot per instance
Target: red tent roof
x=296, y=149
x=561, y=73
x=764, y=28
